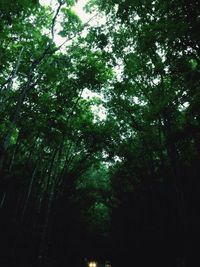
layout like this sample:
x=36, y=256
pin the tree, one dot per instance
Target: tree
x=48, y=132
x=155, y=50
x=136, y=170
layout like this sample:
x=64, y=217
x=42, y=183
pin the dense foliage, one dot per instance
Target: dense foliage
x=77, y=183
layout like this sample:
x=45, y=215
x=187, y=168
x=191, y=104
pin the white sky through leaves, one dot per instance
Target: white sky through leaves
x=99, y=111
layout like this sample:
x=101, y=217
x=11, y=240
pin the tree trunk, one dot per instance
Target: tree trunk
x=29, y=192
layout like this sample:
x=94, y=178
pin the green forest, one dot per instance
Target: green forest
x=100, y=133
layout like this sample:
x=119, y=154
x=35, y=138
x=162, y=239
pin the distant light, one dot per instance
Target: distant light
x=92, y=264
x=107, y=264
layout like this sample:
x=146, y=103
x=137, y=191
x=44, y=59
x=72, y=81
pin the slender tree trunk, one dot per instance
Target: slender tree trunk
x=160, y=144
x=16, y=114
x=51, y=183
x=13, y=74
x=3, y=200
x=29, y=192
x=44, y=241
x=177, y=181
x=49, y=192
x=12, y=160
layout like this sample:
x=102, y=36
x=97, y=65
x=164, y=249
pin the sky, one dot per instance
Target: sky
x=78, y=8
x=99, y=111
x=91, y=18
